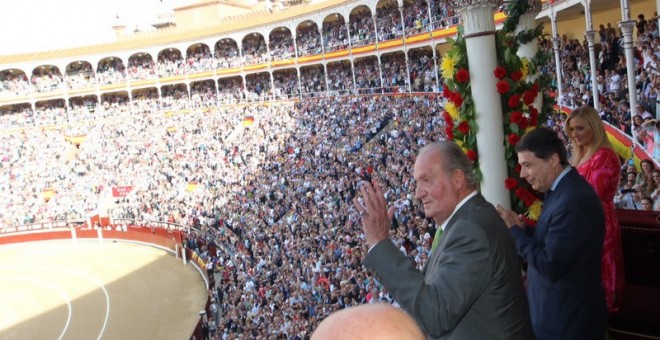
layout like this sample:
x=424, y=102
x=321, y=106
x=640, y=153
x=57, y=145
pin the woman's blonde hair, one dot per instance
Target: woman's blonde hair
x=592, y=118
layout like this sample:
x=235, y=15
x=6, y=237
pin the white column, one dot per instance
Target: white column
x=373, y=17
x=327, y=83
x=380, y=72
x=590, y=35
x=480, y=42
x=355, y=89
x=657, y=8
x=405, y=54
x=560, y=90
x=526, y=22
x=555, y=48
x=300, y=91
x=435, y=69
x=627, y=28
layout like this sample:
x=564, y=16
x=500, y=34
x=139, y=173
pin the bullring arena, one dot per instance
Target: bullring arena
x=97, y=288
x=236, y=148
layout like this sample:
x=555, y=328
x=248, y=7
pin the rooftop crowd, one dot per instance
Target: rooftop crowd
x=273, y=203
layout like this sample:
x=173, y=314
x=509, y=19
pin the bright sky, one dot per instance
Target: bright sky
x=38, y=25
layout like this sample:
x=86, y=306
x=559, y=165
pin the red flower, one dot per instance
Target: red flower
x=534, y=120
x=529, y=222
x=455, y=98
x=516, y=116
x=449, y=132
x=500, y=72
x=525, y=196
x=513, y=139
x=471, y=154
x=447, y=118
x=462, y=75
x=528, y=97
x=463, y=127
x=529, y=199
x=516, y=75
x=535, y=87
x=503, y=87
x=445, y=90
x=523, y=123
x=533, y=112
x=510, y=183
x=514, y=101
x=517, y=168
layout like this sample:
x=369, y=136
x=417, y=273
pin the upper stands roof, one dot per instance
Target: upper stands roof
x=175, y=35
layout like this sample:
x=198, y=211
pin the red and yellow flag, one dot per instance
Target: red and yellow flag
x=248, y=121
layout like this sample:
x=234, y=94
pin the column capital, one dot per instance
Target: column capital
x=460, y=4
x=556, y=40
x=527, y=22
x=590, y=35
x=627, y=27
x=477, y=16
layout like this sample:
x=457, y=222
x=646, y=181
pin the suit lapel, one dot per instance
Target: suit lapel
x=548, y=203
x=446, y=234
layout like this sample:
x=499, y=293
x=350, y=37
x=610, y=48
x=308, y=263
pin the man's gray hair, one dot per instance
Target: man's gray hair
x=452, y=158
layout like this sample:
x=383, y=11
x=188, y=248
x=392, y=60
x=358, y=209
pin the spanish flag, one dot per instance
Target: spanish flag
x=77, y=139
x=47, y=194
x=621, y=142
x=192, y=186
x=248, y=121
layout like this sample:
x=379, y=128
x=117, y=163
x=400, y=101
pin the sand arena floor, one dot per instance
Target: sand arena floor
x=87, y=289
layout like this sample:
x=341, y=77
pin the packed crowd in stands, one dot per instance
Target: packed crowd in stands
x=333, y=35
x=340, y=77
x=227, y=55
x=308, y=39
x=362, y=28
x=281, y=45
x=271, y=200
x=249, y=180
x=286, y=85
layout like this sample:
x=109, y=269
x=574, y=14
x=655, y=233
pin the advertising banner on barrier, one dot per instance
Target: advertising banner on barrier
x=121, y=191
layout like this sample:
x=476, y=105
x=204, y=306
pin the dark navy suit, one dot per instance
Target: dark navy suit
x=563, y=253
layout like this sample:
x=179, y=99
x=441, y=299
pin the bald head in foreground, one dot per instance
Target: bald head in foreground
x=369, y=321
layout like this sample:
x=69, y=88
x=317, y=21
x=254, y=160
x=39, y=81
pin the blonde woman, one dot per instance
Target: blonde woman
x=596, y=161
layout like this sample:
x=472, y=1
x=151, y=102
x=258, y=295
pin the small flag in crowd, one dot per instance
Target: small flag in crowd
x=248, y=121
x=192, y=186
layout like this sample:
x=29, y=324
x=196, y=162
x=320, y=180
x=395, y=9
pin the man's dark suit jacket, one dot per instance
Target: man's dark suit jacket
x=471, y=288
x=564, y=257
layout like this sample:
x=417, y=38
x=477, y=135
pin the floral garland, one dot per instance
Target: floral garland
x=518, y=88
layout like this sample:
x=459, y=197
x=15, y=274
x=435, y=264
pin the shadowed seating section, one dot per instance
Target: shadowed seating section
x=639, y=317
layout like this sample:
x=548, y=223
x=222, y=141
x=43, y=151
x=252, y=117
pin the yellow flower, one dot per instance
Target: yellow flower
x=525, y=67
x=452, y=110
x=448, y=66
x=534, y=211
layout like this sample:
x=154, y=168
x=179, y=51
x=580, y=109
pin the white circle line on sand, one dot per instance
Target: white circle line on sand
x=60, y=291
x=81, y=274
